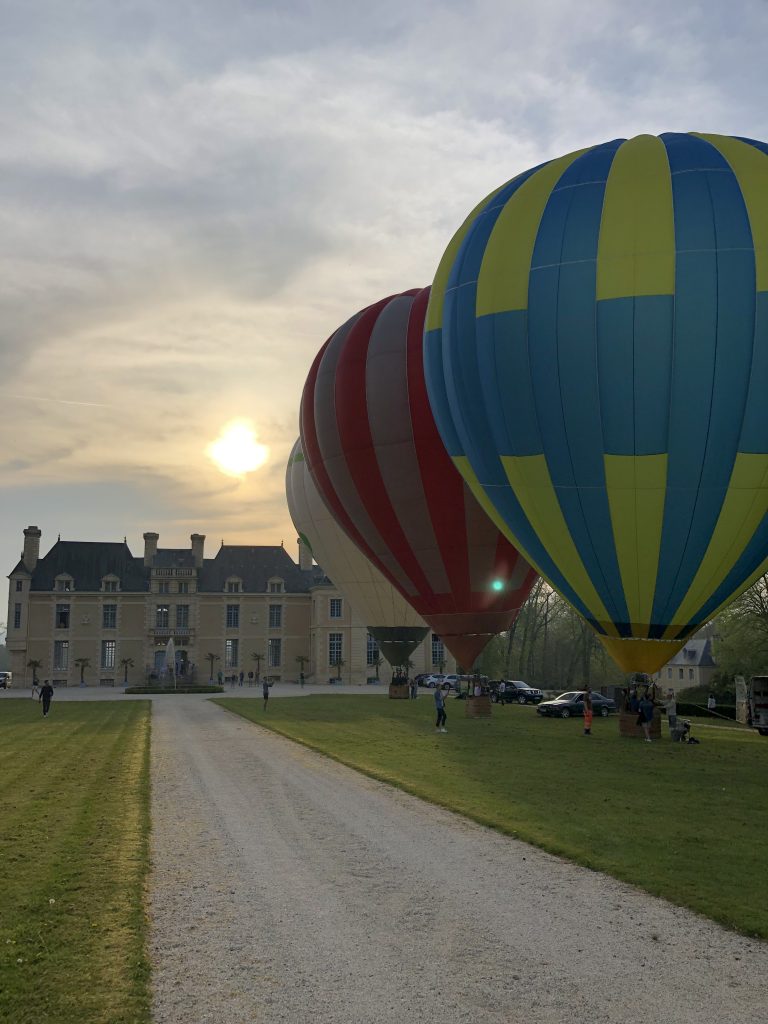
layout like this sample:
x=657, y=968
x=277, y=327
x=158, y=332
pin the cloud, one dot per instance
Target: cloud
x=192, y=198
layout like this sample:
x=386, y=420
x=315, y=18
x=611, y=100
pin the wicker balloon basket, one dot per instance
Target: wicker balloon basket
x=478, y=707
x=398, y=691
x=628, y=725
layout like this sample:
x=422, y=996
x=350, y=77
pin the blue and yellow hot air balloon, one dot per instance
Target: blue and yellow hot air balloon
x=596, y=355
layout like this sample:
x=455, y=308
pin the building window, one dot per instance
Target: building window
x=335, y=608
x=690, y=673
x=110, y=585
x=108, y=649
x=19, y=585
x=233, y=616
x=182, y=615
x=163, y=587
x=109, y=617
x=184, y=587
x=61, y=654
x=438, y=650
x=231, y=653
x=274, y=652
x=62, y=616
x=276, y=587
x=233, y=586
x=17, y=616
x=334, y=648
x=371, y=651
x=680, y=673
x=161, y=616
x=669, y=673
x=64, y=583
x=275, y=616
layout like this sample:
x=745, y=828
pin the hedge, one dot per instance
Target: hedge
x=180, y=689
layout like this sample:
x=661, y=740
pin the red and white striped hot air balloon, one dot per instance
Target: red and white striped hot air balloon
x=375, y=454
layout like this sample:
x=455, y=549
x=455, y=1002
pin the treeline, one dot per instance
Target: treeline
x=550, y=646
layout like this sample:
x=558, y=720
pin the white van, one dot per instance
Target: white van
x=5, y=680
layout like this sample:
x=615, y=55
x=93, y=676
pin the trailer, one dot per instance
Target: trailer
x=757, y=700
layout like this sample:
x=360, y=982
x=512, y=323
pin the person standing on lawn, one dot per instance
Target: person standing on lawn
x=265, y=691
x=440, y=707
x=671, y=707
x=646, y=714
x=587, y=713
x=711, y=702
x=46, y=693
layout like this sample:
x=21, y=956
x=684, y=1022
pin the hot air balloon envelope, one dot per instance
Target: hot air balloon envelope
x=375, y=454
x=393, y=623
x=597, y=362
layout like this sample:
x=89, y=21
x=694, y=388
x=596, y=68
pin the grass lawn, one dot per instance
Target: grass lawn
x=689, y=823
x=74, y=826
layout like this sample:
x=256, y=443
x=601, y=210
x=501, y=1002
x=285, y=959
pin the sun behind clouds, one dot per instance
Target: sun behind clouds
x=236, y=451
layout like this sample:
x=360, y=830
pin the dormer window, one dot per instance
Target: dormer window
x=64, y=583
x=234, y=585
x=275, y=586
x=110, y=584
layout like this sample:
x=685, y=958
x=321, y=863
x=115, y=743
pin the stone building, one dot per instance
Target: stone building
x=96, y=600
x=691, y=667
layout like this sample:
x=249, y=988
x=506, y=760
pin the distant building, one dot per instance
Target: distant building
x=95, y=600
x=692, y=666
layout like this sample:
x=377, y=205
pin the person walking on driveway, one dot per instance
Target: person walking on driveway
x=440, y=707
x=46, y=693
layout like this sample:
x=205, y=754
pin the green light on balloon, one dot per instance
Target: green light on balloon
x=497, y=585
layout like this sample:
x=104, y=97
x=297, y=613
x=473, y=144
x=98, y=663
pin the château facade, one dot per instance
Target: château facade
x=250, y=608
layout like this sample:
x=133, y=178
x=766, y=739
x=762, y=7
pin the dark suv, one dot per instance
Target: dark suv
x=515, y=692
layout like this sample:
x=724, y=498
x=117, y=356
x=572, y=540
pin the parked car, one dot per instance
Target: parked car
x=452, y=681
x=571, y=704
x=433, y=680
x=515, y=692
x=5, y=680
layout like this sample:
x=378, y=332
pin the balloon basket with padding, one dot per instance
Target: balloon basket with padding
x=477, y=707
x=398, y=691
x=628, y=725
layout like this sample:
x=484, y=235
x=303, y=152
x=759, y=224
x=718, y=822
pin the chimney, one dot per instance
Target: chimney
x=198, y=543
x=31, y=551
x=150, y=547
x=305, y=554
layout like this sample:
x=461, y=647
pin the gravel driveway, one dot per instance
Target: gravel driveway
x=286, y=887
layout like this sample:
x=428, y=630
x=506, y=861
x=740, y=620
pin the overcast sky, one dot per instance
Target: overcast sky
x=194, y=195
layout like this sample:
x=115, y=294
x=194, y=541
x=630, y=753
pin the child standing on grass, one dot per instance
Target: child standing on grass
x=440, y=706
x=587, y=713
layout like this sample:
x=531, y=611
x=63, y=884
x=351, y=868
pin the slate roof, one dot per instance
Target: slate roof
x=173, y=558
x=87, y=562
x=695, y=654
x=255, y=565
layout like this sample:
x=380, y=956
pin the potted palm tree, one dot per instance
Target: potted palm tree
x=338, y=664
x=125, y=664
x=83, y=664
x=34, y=664
x=211, y=657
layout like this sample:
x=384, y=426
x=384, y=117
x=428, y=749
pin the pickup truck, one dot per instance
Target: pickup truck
x=515, y=692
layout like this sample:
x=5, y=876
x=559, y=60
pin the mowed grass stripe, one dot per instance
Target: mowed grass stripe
x=688, y=823
x=75, y=831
